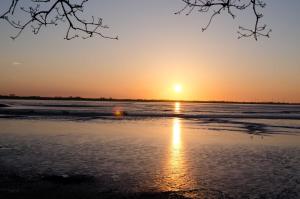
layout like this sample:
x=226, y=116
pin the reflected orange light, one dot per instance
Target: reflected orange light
x=177, y=107
x=118, y=111
x=176, y=176
x=175, y=169
x=176, y=135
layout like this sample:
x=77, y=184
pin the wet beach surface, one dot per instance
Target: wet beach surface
x=152, y=157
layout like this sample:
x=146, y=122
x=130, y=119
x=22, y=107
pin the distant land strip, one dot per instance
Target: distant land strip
x=72, y=98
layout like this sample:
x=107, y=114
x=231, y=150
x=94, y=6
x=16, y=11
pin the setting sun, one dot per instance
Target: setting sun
x=142, y=104
x=177, y=88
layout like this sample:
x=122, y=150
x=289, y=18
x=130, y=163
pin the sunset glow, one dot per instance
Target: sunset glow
x=157, y=99
x=177, y=88
x=145, y=64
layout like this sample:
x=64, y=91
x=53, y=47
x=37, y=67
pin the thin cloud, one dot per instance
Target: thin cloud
x=16, y=63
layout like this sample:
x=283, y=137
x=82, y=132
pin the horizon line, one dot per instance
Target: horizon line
x=33, y=97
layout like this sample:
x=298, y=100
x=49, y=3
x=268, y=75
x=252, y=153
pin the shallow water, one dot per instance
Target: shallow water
x=92, y=109
x=192, y=157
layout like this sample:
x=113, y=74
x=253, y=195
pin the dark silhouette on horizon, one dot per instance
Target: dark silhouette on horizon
x=78, y=98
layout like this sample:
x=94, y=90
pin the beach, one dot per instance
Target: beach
x=78, y=149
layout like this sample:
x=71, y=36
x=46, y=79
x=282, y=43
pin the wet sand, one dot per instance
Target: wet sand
x=152, y=158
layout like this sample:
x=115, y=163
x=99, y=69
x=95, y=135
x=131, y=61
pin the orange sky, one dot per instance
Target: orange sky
x=154, y=52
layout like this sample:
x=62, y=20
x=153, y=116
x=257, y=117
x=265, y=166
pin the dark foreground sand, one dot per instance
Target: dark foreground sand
x=84, y=187
x=13, y=186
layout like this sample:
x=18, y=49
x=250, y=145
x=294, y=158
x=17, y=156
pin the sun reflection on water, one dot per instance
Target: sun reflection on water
x=175, y=176
x=177, y=107
x=176, y=138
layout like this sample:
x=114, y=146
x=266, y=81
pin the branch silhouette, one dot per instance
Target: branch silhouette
x=42, y=13
x=218, y=7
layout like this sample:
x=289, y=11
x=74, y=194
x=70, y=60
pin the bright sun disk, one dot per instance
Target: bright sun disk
x=177, y=88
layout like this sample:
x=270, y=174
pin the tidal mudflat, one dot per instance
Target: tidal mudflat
x=207, y=154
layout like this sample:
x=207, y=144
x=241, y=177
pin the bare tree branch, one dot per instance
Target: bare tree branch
x=217, y=7
x=42, y=13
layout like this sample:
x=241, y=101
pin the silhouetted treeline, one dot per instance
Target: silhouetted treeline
x=77, y=98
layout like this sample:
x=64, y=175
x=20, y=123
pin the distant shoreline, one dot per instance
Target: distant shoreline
x=71, y=98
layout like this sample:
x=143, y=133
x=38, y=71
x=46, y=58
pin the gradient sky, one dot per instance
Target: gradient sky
x=156, y=50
